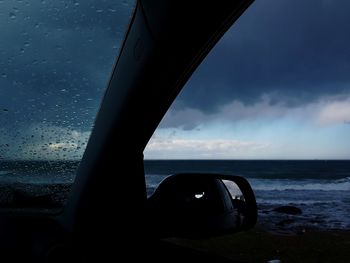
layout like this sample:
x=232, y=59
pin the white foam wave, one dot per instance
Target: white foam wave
x=305, y=185
x=295, y=202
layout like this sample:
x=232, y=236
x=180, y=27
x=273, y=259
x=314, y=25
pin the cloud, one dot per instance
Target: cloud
x=335, y=112
x=330, y=110
x=187, y=119
x=43, y=142
x=296, y=51
x=159, y=147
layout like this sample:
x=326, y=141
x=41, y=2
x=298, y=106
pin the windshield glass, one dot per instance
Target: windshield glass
x=55, y=60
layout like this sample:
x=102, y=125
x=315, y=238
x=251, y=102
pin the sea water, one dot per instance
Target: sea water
x=321, y=189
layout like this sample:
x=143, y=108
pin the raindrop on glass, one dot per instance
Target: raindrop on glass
x=12, y=15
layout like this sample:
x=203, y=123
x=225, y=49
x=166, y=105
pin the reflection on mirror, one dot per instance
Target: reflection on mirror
x=233, y=189
x=199, y=205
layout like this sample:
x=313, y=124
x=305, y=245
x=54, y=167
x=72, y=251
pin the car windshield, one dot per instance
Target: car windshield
x=55, y=61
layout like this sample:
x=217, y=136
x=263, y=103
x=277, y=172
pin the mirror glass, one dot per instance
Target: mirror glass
x=234, y=190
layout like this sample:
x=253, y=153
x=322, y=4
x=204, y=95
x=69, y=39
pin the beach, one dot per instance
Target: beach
x=260, y=245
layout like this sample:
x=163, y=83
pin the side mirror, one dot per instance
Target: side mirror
x=201, y=205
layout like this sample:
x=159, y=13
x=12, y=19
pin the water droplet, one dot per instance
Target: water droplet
x=76, y=4
x=99, y=11
x=12, y=15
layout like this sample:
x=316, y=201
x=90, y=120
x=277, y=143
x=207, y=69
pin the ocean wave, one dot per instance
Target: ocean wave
x=265, y=201
x=305, y=185
x=342, y=184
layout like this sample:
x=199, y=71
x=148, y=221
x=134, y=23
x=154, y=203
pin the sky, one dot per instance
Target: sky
x=276, y=86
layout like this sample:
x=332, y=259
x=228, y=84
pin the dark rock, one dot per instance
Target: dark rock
x=288, y=209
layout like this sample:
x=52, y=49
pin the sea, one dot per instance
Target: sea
x=319, y=188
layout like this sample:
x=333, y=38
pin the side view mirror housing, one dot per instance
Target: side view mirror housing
x=195, y=205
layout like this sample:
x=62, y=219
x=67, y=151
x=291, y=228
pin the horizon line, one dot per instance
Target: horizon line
x=174, y=159
x=291, y=159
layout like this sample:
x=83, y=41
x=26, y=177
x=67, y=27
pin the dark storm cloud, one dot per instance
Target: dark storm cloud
x=295, y=52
